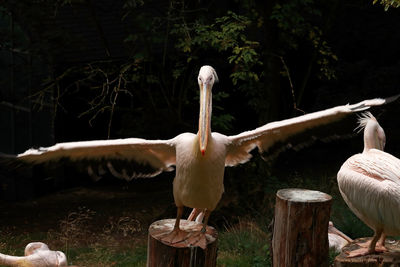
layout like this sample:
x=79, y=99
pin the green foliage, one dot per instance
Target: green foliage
x=292, y=19
x=228, y=35
x=130, y=4
x=326, y=57
x=296, y=19
x=388, y=3
x=332, y=256
x=9, y=242
x=108, y=256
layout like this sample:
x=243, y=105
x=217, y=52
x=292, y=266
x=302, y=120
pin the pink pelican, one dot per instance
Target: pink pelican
x=200, y=158
x=370, y=185
x=37, y=254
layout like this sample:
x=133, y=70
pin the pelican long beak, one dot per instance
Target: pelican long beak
x=205, y=116
x=333, y=230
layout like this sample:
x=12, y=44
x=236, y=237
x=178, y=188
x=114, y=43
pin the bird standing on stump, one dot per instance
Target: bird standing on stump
x=370, y=185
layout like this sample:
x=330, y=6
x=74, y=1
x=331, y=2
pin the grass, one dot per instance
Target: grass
x=105, y=256
x=83, y=244
x=242, y=244
x=245, y=244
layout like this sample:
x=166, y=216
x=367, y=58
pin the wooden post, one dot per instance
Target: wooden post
x=160, y=254
x=300, y=236
x=386, y=259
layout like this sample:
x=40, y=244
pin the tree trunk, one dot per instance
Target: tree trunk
x=386, y=259
x=300, y=236
x=160, y=254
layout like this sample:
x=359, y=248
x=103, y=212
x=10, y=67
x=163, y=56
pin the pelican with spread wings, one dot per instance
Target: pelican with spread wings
x=199, y=159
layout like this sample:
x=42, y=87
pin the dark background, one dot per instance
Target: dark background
x=84, y=70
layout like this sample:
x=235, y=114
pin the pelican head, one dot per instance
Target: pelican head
x=207, y=78
x=374, y=135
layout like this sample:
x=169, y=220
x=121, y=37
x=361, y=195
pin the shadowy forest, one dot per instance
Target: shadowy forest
x=80, y=70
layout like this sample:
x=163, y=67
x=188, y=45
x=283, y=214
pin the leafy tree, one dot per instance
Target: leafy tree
x=297, y=21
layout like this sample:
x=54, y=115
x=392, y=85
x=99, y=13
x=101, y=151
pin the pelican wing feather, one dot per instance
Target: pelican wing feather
x=154, y=156
x=272, y=133
x=377, y=164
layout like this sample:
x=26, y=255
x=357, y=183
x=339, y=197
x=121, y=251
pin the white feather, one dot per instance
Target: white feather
x=370, y=183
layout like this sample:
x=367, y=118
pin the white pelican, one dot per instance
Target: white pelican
x=337, y=239
x=37, y=254
x=370, y=185
x=200, y=159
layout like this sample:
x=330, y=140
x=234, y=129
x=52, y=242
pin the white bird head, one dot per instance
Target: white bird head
x=207, y=78
x=207, y=75
x=374, y=135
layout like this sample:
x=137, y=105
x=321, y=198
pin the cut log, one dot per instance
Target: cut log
x=179, y=254
x=300, y=236
x=386, y=259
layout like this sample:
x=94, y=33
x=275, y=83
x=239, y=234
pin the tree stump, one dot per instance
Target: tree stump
x=386, y=259
x=179, y=254
x=300, y=236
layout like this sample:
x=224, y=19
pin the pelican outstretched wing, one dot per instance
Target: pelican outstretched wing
x=265, y=137
x=149, y=157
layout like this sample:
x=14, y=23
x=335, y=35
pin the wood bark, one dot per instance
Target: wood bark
x=179, y=254
x=386, y=259
x=300, y=236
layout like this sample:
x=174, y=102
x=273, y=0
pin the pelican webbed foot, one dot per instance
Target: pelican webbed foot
x=369, y=247
x=181, y=238
x=364, y=251
x=379, y=247
x=192, y=235
x=175, y=236
x=198, y=239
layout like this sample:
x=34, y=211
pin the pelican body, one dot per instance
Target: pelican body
x=370, y=185
x=199, y=177
x=200, y=158
x=37, y=254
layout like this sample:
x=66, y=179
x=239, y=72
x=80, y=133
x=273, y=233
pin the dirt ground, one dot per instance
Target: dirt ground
x=120, y=211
